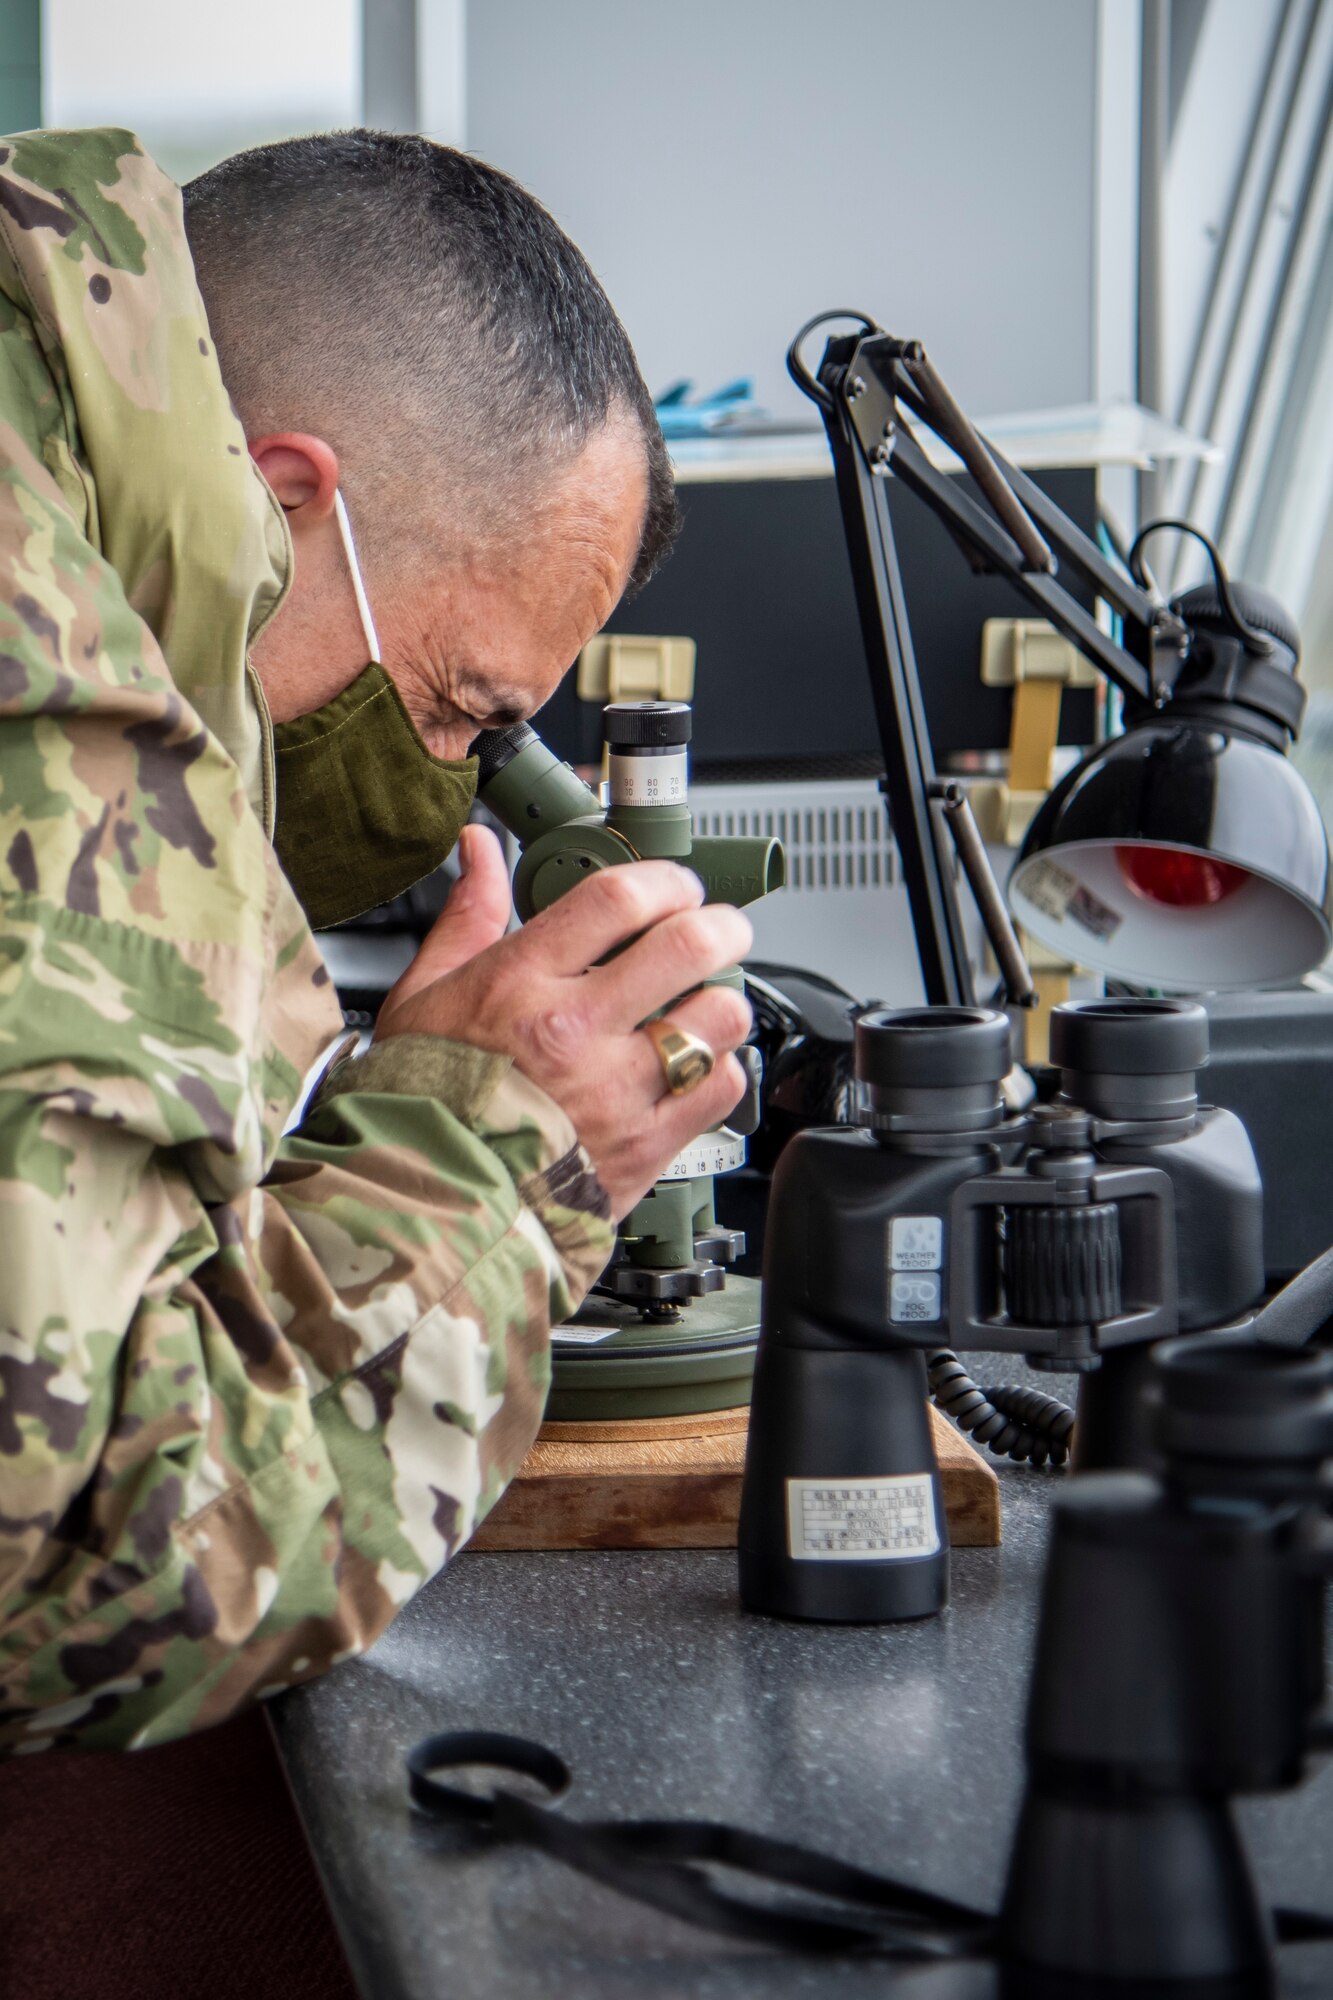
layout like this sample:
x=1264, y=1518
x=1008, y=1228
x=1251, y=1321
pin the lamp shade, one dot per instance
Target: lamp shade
x=1179, y=855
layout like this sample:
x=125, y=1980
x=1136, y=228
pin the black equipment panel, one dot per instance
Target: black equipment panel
x=760, y=580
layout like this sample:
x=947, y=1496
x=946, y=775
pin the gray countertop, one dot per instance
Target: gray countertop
x=895, y=1747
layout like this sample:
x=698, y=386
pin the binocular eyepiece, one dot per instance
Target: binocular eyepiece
x=939, y=1069
x=932, y=1069
x=1235, y=1417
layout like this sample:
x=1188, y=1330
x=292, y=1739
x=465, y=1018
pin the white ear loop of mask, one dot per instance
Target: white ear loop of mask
x=371, y=636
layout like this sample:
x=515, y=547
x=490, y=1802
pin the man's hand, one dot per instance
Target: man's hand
x=570, y=1024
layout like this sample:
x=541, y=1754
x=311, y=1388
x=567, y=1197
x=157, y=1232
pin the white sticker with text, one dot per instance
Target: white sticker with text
x=862, y=1520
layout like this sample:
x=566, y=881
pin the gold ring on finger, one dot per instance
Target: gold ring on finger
x=685, y=1058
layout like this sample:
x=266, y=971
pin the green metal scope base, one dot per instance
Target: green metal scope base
x=704, y=1361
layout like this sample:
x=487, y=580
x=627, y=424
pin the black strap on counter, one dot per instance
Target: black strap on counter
x=1302, y=1926
x=664, y=1863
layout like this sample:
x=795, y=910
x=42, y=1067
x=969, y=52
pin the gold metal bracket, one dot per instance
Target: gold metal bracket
x=625, y=666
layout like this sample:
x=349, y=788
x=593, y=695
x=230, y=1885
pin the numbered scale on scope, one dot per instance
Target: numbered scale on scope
x=714, y=1153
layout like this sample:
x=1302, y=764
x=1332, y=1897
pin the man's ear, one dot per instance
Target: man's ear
x=303, y=472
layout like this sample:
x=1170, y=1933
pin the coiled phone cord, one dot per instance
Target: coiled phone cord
x=1012, y=1422
x=1035, y=1429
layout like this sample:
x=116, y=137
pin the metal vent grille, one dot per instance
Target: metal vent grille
x=829, y=846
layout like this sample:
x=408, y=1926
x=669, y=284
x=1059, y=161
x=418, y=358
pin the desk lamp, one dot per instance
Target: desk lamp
x=1187, y=853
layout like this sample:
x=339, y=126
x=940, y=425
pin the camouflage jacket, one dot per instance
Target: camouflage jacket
x=254, y=1389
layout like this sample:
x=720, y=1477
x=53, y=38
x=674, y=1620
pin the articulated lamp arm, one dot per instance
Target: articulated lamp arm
x=865, y=383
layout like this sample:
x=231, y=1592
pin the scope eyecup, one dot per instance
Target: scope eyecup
x=1130, y=1058
x=932, y=1069
x=495, y=748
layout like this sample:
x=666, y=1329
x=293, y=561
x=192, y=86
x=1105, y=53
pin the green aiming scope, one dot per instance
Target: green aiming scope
x=563, y=831
x=671, y=1248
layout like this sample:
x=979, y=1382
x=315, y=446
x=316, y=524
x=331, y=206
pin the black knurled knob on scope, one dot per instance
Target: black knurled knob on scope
x=638, y=725
x=1062, y=1265
x=495, y=748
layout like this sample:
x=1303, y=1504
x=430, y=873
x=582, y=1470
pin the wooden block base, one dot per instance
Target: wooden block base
x=675, y=1483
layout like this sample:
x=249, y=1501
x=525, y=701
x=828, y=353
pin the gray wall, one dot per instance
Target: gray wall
x=732, y=166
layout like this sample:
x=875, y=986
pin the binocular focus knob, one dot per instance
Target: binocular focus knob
x=1062, y=1265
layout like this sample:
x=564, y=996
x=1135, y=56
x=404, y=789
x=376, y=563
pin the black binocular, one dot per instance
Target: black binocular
x=1120, y=1214
x=1179, y=1663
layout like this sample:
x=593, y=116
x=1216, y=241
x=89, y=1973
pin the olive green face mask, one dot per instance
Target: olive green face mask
x=363, y=808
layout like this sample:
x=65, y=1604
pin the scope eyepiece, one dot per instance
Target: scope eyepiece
x=932, y=1069
x=648, y=761
x=495, y=748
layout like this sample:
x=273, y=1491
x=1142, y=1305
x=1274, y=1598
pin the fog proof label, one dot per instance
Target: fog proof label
x=915, y=1297
x=862, y=1520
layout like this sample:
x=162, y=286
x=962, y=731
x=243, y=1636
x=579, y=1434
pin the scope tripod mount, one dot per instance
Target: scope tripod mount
x=663, y=1332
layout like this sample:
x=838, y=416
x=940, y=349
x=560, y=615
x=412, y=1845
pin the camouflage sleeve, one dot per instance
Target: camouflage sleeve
x=254, y=1390
x=300, y=1425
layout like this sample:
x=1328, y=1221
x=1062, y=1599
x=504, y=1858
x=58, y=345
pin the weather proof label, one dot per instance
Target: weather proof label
x=862, y=1520
x=916, y=1258
x=916, y=1243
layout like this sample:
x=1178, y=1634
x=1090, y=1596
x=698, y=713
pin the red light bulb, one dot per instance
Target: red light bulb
x=1178, y=878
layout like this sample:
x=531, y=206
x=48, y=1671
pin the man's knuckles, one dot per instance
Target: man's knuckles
x=720, y=1014
x=553, y=1040
x=628, y=899
x=695, y=944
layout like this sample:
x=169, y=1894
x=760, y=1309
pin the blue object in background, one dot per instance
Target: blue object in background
x=732, y=407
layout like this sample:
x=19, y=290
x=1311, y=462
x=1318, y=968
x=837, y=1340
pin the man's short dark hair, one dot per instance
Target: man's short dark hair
x=420, y=310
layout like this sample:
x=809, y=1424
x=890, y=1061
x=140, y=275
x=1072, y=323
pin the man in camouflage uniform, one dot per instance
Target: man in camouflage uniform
x=256, y=1389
